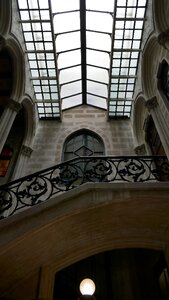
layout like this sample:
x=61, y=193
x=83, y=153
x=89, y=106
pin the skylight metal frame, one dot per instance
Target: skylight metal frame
x=42, y=61
x=122, y=85
x=43, y=57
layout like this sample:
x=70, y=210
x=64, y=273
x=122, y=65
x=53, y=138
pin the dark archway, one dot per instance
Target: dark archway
x=118, y=274
x=6, y=79
x=163, y=81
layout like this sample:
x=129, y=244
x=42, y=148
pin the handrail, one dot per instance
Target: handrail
x=40, y=186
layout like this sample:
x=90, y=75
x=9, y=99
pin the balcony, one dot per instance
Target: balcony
x=41, y=186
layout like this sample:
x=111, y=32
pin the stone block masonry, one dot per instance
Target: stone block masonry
x=50, y=136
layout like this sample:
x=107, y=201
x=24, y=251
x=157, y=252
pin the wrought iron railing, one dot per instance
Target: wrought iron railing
x=38, y=187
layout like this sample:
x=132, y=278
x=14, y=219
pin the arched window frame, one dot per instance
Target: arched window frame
x=80, y=148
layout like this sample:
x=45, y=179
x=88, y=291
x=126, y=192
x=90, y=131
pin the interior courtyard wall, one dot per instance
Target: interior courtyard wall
x=50, y=136
x=154, y=51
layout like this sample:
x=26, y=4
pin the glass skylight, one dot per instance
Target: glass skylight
x=126, y=46
x=83, y=52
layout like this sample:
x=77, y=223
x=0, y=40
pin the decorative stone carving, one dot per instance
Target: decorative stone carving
x=27, y=151
x=151, y=103
x=16, y=106
x=163, y=38
x=140, y=150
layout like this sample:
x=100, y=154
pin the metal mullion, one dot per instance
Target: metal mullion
x=38, y=51
x=131, y=19
x=71, y=95
x=123, y=76
x=69, y=82
x=128, y=39
x=54, y=52
x=67, y=32
x=89, y=93
x=111, y=56
x=49, y=21
x=100, y=11
x=131, y=45
x=121, y=57
x=96, y=81
x=83, y=49
x=99, y=67
x=97, y=31
x=68, y=50
x=99, y=50
x=126, y=50
x=43, y=78
x=69, y=67
x=47, y=101
x=38, y=21
x=35, y=9
x=34, y=43
x=65, y=12
x=34, y=21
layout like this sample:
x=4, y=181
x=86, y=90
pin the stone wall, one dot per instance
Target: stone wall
x=50, y=136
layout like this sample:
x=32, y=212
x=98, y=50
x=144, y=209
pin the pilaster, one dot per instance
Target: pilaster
x=7, y=119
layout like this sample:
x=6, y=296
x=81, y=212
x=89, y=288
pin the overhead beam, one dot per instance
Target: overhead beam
x=83, y=48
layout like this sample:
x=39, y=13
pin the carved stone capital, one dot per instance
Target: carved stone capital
x=163, y=38
x=140, y=150
x=27, y=151
x=16, y=106
x=2, y=43
x=151, y=103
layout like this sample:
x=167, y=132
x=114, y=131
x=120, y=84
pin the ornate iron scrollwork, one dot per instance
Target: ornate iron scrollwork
x=38, y=187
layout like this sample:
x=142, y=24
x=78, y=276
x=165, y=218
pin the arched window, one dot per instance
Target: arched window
x=83, y=143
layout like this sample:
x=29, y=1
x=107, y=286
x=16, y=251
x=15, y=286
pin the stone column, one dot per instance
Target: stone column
x=22, y=160
x=7, y=119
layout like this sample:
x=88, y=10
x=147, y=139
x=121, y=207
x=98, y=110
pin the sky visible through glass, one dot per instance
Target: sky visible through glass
x=68, y=43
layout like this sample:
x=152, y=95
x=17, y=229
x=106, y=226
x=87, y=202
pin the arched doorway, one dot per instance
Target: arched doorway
x=118, y=274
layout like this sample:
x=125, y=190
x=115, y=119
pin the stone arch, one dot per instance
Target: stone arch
x=28, y=123
x=5, y=16
x=160, y=13
x=87, y=131
x=93, y=129
x=18, y=65
x=28, y=107
x=149, y=66
x=139, y=116
x=163, y=69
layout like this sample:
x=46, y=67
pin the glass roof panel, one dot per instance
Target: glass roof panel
x=126, y=46
x=83, y=52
